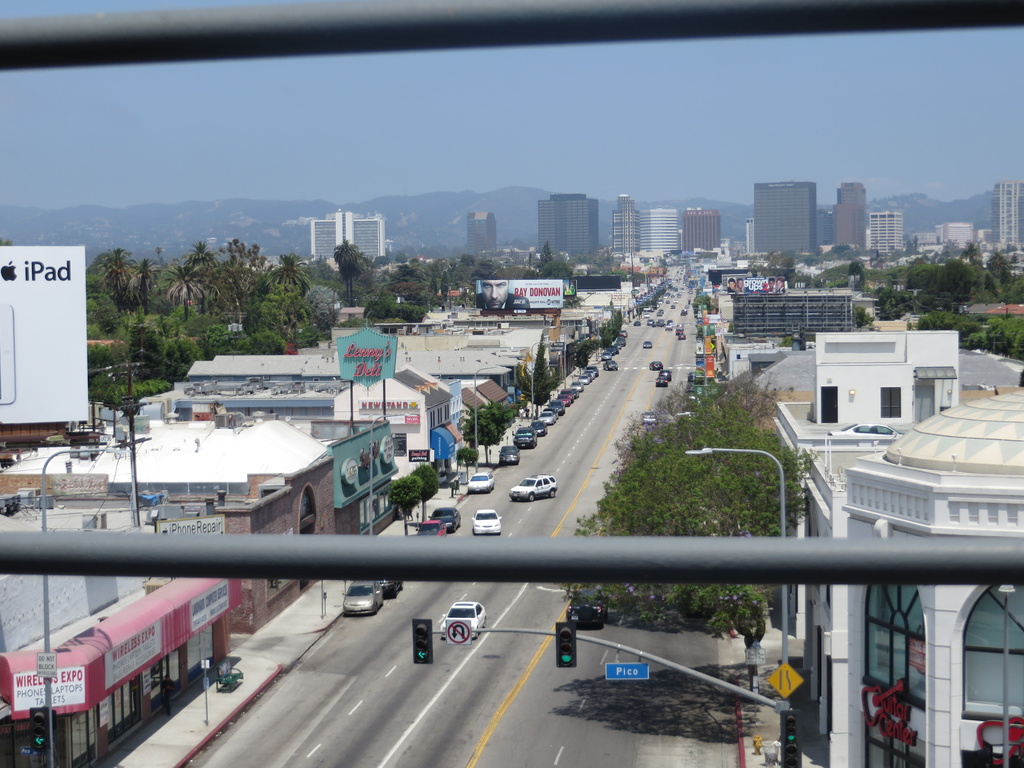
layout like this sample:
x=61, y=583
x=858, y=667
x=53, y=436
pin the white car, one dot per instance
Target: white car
x=549, y=417
x=481, y=482
x=486, y=521
x=472, y=613
x=874, y=431
x=533, y=487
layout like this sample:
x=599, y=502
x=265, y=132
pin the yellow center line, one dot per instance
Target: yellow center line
x=546, y=642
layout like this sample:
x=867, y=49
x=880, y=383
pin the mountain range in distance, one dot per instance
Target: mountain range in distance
x=432, y=223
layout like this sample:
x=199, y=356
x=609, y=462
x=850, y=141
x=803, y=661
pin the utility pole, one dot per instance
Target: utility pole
x=130, y=407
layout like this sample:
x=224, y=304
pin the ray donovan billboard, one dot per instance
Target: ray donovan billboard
x=43, y=359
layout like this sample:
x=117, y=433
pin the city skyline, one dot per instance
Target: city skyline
x=263, y=129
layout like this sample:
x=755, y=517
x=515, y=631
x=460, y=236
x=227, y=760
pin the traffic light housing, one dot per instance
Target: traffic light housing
x=38, y=719
x=422, y=641
x=565, y=644
x=790, y=744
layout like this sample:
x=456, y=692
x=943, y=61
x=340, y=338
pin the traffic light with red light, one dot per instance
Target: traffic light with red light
x=565, y=644
x=38, y=717
x=422, y=641
x=790, y=744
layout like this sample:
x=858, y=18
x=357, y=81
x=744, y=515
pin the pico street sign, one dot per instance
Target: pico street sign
x=46, y=664
x=457, y=632
x=616, y=671
x=785, y=680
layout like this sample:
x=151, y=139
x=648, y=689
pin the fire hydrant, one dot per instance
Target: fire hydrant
x=758, y=742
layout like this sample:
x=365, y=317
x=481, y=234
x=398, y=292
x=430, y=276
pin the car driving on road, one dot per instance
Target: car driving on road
x=449, y=516
x=534, y=487
x=508, y=454
x=363, y=597
x=486, y=521
x=473, y=614
x=481, y=482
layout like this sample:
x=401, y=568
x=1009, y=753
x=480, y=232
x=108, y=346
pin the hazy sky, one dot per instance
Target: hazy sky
x=938, y=113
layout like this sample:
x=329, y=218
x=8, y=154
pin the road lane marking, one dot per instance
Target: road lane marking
x=391, y=670
x=315, y=749
x=559, y=755
x=357, y=706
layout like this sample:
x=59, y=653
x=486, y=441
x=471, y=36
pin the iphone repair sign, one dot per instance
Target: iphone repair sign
x=43, y=360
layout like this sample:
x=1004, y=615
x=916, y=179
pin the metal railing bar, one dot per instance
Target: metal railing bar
x=959, y=560
x=418, y=25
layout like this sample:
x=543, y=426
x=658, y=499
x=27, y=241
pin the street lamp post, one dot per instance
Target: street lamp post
x=1006, y=590
x=373, y=424
x=782, y=528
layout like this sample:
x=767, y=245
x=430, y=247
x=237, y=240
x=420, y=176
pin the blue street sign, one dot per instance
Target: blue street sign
x=30, y=751
x=618, y=671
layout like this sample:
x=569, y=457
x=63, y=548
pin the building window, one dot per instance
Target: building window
x=983, y=655
x=895, y=639
x=891, y=403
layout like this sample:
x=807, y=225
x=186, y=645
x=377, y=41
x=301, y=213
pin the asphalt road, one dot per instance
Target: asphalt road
x=357, y=700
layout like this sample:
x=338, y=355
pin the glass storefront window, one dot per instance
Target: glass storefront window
x=983, y=655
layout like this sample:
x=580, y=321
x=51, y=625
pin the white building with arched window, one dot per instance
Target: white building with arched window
x=917, y=677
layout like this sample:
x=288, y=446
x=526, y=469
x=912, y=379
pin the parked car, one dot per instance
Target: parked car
x=570, y=392
x=637, y=323
x=567, y=399
x=486, y=521
x=611, y=365
x=578, y=387
x=481, y=482
x=432, y=528
x=548, y=416
x=606, y=355
x=592, y=370
x=533, y=487
x=587, y=608
x=508, y=454
x=390, y=589
x=449, y=516
x=876, y=431
x=539, y=427
x=557, y=406
x=362, y=597
x=648, y=345
x=656, y=365
x=473, y=613
x=649, y=417
x=525, y=438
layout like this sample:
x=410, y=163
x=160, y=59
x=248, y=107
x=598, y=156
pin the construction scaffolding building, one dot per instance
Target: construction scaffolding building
x=766, y=314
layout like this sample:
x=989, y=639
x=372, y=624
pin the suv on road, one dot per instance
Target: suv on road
x=449, y=516
x=508, y=454
x=525, y=438
x=532, y=487
x=664, y=377
x=611, y=365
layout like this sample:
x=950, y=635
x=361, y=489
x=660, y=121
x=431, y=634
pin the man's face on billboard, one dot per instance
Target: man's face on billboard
x=495, y=293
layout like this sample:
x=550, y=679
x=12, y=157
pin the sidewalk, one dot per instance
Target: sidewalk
x=198, y=716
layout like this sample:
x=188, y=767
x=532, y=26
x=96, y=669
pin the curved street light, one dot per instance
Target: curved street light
x=782, y=528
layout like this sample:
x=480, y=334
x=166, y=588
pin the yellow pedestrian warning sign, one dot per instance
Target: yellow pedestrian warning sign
x=785, y=680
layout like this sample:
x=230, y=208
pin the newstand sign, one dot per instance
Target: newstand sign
x=367, y=357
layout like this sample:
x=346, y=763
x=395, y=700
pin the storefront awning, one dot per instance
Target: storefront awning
x=443, y=444
x=935, y=372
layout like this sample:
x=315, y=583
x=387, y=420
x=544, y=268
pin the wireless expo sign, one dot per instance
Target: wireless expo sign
x=43, y=360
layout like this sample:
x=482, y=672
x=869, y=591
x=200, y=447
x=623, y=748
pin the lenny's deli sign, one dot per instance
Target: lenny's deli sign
x=367, y=357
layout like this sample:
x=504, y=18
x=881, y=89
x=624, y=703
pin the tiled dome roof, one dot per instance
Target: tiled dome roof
x=986, y=436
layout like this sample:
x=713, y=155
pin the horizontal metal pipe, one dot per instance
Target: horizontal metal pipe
x=963, y=560
x=410, y=25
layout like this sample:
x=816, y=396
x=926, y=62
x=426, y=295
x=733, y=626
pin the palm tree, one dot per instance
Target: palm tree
x=351, y=264
x=184, y=285
x=201, y=256
x=290, y=270
x=143, y=282
x=117, y=267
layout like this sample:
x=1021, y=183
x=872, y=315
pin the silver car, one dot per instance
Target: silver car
x=363, y=597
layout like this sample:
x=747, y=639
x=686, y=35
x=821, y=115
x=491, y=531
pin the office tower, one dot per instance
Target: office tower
x=826, y=226
x=956, y=233
x=749, y=235
x=481, y=233
x=702, y=229
x=659, y=229
x=625, y=235
x=849, y=215
x=785, y=217
x=365, y=232
x=885, y=230
x=1008, y=212
x=568, y=224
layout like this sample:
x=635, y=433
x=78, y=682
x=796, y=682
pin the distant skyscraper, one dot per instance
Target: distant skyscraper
x=1008, y=212
x=785, y=217
x=568, y=223
x=826, y=226
x=702, y=229
x=956, y=233
x=885, y=230
x=849, y=215
x=625, y=235
x=481, y=233
x=366, y=233
x=659, y=229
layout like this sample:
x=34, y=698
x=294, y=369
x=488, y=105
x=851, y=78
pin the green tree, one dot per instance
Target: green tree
x=536, y=379
x=116, y=270
x=143, y=282
x=862, y=318
x=429, y=484
x=466, y=456
x=405, y=493
x=659, y=490
x=321, y=302
x=488, y=423
x=184, y=285
x=351, y=264
x=291, y=271
x=584, y=351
